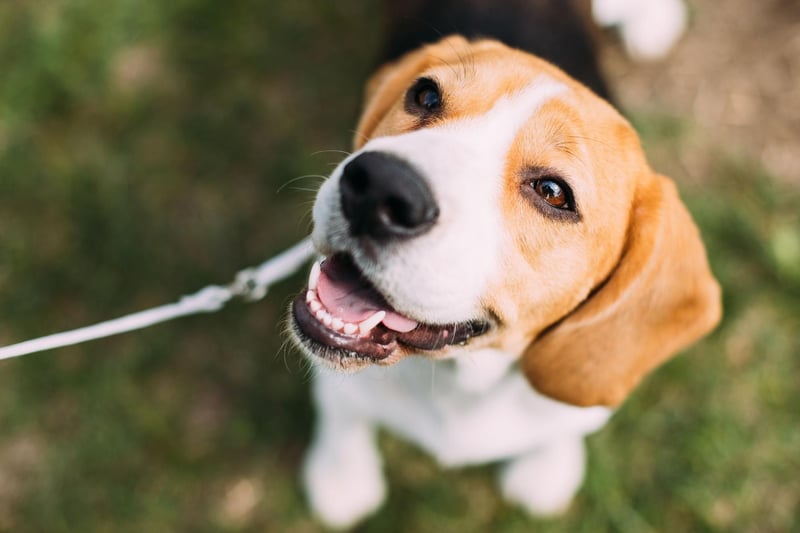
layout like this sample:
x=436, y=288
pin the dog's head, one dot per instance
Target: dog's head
x=492, y=201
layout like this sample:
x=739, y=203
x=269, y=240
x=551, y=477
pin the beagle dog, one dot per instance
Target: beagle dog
x=501, y=267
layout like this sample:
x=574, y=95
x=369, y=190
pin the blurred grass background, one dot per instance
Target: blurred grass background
x=143, y=150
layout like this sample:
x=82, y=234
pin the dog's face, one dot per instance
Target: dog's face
x=494, y=201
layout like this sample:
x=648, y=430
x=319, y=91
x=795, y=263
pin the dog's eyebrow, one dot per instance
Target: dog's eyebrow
x=568, y=146
x=557, y=136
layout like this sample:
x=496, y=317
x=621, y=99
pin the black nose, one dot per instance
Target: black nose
x=384, y=197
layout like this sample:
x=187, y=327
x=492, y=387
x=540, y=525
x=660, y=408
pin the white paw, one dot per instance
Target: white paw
x=544, y=482
x=611, y=12
x=344, y=482
x=652, y=34
x=649, y=28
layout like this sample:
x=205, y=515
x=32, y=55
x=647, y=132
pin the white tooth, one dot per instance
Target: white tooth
x=320, y=314
x=310, y=296
x=327, y=320
x=349, y=329
x=337, y=324
x=315, y=305
x=366, y=326
x=313, y=277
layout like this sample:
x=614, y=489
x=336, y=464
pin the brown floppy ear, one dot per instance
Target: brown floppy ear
x=388, y=84
x=660, y=298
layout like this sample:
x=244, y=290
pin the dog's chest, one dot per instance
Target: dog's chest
x=464, y=413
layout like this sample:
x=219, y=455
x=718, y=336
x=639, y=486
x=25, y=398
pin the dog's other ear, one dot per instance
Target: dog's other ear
x=386, y=87
x=659, y=298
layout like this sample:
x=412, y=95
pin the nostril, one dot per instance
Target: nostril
x=397, y=212
x=404, y=216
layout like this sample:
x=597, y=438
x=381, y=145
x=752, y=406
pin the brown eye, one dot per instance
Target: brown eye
x=549, y=193
x=424, y=98
x=553, y=192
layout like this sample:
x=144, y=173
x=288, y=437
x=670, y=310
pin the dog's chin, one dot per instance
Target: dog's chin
x=343, y=321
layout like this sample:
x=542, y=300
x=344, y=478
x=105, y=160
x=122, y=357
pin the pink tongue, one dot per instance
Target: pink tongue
x=345, y=294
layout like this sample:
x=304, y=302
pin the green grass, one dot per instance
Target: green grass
x=143, y=146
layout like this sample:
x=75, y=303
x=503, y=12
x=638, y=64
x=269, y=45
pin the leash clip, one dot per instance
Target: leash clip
x=246, y=286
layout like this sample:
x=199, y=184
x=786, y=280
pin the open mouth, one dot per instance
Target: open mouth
x=342, y=314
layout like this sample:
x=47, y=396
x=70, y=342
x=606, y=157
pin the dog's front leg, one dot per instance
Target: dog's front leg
x=545, y=480
x=342, y=473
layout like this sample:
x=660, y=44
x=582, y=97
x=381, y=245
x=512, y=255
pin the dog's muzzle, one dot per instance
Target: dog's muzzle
x=343, y=317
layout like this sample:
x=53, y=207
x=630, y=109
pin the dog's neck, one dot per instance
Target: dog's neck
x=481, y=370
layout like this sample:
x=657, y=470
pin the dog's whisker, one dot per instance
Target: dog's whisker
x=343, y=152
x=593, y=139
x=319, y=177
x=446, y=63
x=461, y=62
x=433, y=378
x=464, y=62
x=284, y=351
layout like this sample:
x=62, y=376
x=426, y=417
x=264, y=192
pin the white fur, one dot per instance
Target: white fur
x=425, y=402
x=463, y=162
x=649, y=28
x=479, y=371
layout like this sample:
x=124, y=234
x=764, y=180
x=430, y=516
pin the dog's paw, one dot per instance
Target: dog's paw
x=649, y=28
x=344, y=485
x=544, y=482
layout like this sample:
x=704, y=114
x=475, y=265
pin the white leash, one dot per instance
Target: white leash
x=250, y=284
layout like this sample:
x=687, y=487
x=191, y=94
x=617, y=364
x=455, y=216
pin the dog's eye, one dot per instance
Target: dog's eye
x=554, y=192
x=428, y=98
x=550, y=194
x=424, y=96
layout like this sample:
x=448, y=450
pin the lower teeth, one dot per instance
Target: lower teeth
x=329, y=321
